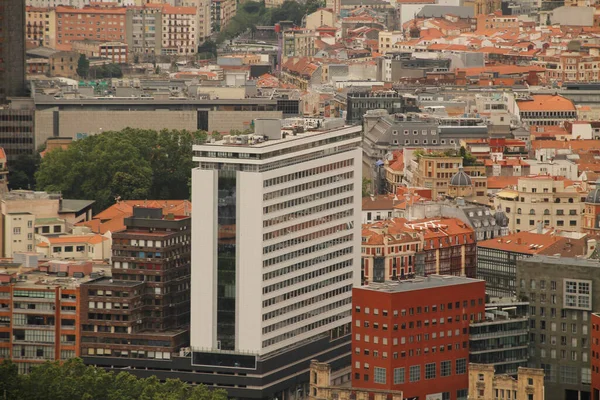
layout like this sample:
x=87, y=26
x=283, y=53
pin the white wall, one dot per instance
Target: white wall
x=249, y=255
x=203, y=332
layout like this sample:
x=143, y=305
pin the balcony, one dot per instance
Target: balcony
x=501, y=348
x=489, y=335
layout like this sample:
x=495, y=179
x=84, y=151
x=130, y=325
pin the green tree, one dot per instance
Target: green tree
x=366, y=187
x=130, y=164
x=83, y=66
x=21, y=172
x=208, y=47
x=74, y=380
x=468, y=158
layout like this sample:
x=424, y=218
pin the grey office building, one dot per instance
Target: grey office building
x=562, y=293
x=12, y=49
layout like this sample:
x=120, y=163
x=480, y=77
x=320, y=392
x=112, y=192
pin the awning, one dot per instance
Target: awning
x=508, y=194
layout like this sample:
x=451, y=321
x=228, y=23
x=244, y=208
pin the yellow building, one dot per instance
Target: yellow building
x=436, y=172
x=551, y=201
x=325, y=386
x=485, y=385
x=41, y=26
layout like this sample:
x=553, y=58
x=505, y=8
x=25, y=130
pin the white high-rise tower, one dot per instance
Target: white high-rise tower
x=276, y=247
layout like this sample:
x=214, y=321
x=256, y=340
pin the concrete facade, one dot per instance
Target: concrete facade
x=484, y=385
x=569, y=289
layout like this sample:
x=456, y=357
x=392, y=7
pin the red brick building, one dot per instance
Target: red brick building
x=413, y=335
x=595, y=356
x=92, y=23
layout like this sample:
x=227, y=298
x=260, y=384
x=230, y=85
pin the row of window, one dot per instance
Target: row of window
x=308, y=211
x=308, y=186
x=307, y=199
x=307, y=315
x=308, y=224
x=307, y=289
x=309, y=172
x=306, y=328
x=414, y=371
x=307, y=250
x=413, y=352
x=306, y=264
x=310, y=275
x=301, y=304
x=306, y=238
x=424, y=309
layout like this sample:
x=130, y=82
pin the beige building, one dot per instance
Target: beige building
x=75, y=247
x=387, y=40
x=542, y=200
x=485, y=385
x=321, y=17
x=18, y=233
x=41, y=26
x=436, y=172
x=299, y=42
x=203, y=18
x=63, y=64
x=325, y=385
x=179, y=30
x=22, y=208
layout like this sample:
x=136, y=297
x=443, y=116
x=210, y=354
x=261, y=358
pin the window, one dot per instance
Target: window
x=379, y=375
x=577, y=294
x=445, y=368
x=414, y=373
x=461, y=366
x=430, y=371
x=398, y=376
x=16, y=231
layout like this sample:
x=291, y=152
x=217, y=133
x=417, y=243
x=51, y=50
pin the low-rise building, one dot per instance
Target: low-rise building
x=326, y=384
x=484, y=384
x=545, y=109
x=115, y=52
x=75, y=247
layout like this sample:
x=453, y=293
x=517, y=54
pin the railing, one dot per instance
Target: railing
x=499, y=333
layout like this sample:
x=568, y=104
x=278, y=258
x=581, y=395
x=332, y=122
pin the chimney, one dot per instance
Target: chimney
x=518, y=240
x=540, y=227
x=591, y=246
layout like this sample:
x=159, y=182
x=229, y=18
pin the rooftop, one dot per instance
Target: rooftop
x=546, y=102
x=521, y=242
x=430, y=282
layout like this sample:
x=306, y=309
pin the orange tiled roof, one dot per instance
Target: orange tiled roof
x=521, y=242
x=90, y=239
x=546, y=102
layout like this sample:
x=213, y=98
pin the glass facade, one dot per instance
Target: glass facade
x=226, y=259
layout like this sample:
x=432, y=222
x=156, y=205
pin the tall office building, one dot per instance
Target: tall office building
x=12, y=49
x=275, y=254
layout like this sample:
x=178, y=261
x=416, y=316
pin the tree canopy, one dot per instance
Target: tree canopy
x=73, y=380
x=253, y=13
x=129, y=164
x=83, y=66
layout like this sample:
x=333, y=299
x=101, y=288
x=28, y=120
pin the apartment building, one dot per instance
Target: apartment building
x=299, y=42
x=283, y=295
x=397, y=248
x=413, y=335
x=566, y=288
x=74, y=247
x=222, y=11
x=501, y=340
x=39, y=317
x=553, y=201
x=143, y=311
x=595, y=356
x=546, y=109
x=203, y=18
x=570, y=66
x=12, y=50
x=105, y=24
x=484, y=383
x=41, y=26
x=144, y=30
x=179, y=36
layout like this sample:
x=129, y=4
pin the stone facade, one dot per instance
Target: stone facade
x=483, y=384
